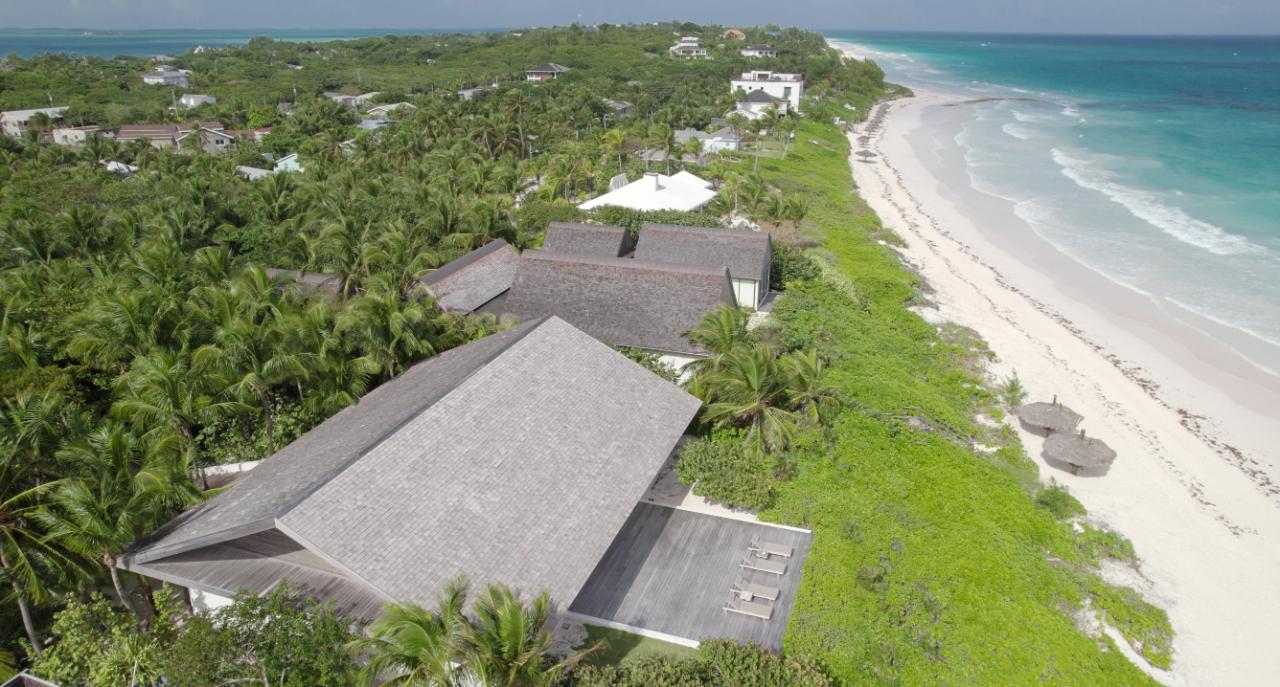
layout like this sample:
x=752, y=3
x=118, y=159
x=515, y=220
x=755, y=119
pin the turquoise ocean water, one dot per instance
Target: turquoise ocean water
x=109, y=43
x=1155, y=161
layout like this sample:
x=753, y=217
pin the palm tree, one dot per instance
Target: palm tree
x=388, y=328
x=719, y=332
x=749, y=389
x=508, y=644
x=615, y=141
x=806, y=391
x=26, y=554
x=164, y=395
x=411, y=646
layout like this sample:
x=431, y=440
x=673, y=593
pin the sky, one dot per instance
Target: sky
x=1035, y=16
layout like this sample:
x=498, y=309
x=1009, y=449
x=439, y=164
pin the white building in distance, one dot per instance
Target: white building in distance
x=788, y=87
x=759, y=51
x=681, y=191
x=688, y=48
x=192, y=100
x=167, y=77
x=15, y=122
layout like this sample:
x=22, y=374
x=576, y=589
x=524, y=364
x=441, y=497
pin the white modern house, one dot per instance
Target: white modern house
x=759, y=51
x=688, y=48
x=753, y=105
x=352, y=101
x=788, y=87
x=163, y=76
x=15, y=122
x=385, y=111
x=681, y=191
x=288, y=163
x=716, y=141
x=77, y=135
x=193, y=100
x=545, y=72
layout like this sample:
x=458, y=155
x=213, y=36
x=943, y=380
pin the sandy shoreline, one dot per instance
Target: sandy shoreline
x=1204, y=519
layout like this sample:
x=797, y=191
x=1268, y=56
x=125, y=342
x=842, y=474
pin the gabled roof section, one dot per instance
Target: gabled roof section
x=759, y=96
x=548, y=68
x=287, y=478
x=522, y=475
x=466, y=284
x=620, y=301
x=573, y=238
x=745, y=253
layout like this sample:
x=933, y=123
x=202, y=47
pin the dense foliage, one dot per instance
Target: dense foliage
x=717, y=663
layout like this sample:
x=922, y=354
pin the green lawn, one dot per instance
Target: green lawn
x=621, y=646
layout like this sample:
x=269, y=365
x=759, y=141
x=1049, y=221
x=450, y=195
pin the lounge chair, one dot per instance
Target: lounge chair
x=758, y=591
x=750, y=562
x=754, y=609
x=771, y=548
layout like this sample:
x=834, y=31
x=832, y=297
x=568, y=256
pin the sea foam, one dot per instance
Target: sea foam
x=1147, y=207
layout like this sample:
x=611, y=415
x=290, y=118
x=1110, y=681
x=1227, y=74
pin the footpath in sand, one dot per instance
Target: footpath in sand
x=1207, y=536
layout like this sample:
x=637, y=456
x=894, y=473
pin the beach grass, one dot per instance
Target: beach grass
x=932, y=563
x=622, y=646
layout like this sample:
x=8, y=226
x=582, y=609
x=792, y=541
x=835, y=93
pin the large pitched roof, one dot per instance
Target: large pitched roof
x=658, y=192
x=746, y=253
x=474, y=279
x=759, y=96
x=587, y=239
x=619, y=301
x=515, y=459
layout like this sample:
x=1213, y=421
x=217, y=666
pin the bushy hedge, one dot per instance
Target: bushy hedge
x=718, y=664
x=722, y=468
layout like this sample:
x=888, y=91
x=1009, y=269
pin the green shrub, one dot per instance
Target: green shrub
x=1057, y=500
x=1097, y=544
x=791, y=264
x=1145, y=626
x=718, y=664
x=723, y=469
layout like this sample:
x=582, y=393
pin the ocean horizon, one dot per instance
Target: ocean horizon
x=1149, y=159
x=90, y=42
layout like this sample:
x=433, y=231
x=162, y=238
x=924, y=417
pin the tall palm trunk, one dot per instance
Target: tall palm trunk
x=271, y=424
x=23, y=609
x=119, y=586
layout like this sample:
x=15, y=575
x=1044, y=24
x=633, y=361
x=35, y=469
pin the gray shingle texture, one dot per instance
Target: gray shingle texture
x=747, y=254
x=620, y=301
x=515, y=459
x=474, y=279
x=572, y=238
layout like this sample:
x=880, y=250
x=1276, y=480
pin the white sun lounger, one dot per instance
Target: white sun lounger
x=771, y=548
x=763, y=565
x=752, y=608
x=758, y=591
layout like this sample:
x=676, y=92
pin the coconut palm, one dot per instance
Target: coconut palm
x=718, y=332
x=411, y=646
x=166, y=397
x=749, y=389
x=507, y=644
x=389, y=329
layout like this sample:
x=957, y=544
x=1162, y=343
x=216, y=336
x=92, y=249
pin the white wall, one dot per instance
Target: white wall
x=747, y=292
x=790, y=91
x=203, y=602
x=677, y=363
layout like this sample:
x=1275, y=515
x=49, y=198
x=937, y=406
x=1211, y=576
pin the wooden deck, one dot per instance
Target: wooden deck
x=671, y=570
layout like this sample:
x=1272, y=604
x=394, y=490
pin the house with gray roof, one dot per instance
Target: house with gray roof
x=516, y=459
x=475, y=282
x=306, y=282
x=545, y=72
x=574, y=238
x=746, y=254
x=620, y=301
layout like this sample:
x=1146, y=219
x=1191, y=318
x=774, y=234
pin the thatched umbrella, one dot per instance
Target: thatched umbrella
x=1052, y=417
x=865, y=155
x=1078, y=451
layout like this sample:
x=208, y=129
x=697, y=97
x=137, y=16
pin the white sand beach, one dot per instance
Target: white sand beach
x=1195, y=483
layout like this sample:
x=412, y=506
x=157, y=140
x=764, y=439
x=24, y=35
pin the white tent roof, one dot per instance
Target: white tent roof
x=682, y=191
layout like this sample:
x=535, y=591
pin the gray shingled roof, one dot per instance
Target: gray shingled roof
x=306, y=282
x=514, y=459
x=759, y=96
x=573, y=238
x=474, y=279
x=619, y=301
x=746, y=253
